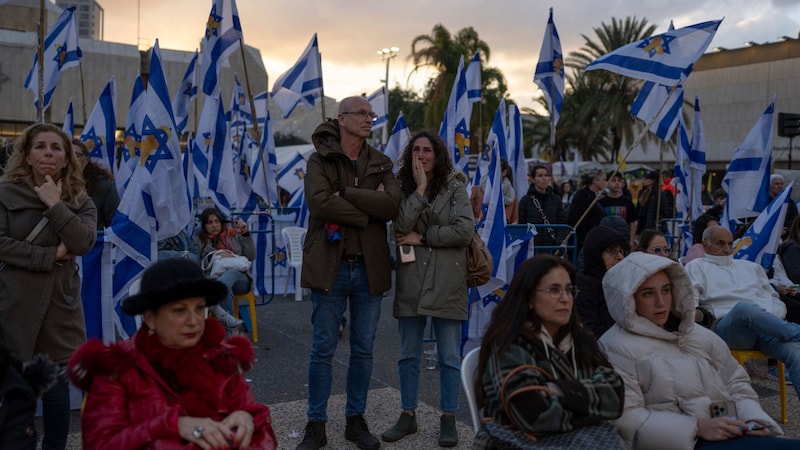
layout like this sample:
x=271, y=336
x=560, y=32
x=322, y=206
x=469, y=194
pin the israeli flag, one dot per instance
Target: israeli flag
x=222, y=35
x=760, y=242
x=302, y=83
x=549, y=75
x=379, y=101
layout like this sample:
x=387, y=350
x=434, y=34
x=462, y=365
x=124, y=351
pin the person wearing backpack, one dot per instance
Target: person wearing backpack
x=433, y=228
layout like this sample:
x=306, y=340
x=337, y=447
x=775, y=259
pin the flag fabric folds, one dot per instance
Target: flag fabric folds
x=186, y=91
x=516, y=154
x=747, y=178
x=454, y=130
x=379, y=100
x=473, y=75
x=647, y=106
x=759, y=243
x=61, y=51
x=666, y=58
x=398, y=141
x=302, y=83
x=99, y=133
x=131, y=143
x=212, y=156
x=265, y=163
x=69, y=121
x=223, y=33
x=549, y=75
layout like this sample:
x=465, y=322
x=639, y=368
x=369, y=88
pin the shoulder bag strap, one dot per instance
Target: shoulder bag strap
x=30, y=237
x=505, y=399
x=538, y=206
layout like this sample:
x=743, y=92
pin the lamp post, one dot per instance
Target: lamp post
x=386, y=54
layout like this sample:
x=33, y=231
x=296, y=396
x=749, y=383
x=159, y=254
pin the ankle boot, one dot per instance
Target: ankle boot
x=314, y=436
x=448, y=434
x=406, y=424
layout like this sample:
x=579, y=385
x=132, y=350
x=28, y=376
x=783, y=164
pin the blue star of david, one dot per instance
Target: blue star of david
x=190, y=90
x=97, y=149
x=280, y=256
x=652, y=45
x=160, y=152
x=126, y=153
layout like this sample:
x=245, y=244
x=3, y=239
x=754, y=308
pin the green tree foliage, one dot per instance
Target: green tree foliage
x=411, y=104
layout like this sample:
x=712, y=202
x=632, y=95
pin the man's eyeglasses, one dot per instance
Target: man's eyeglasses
x=617, y=251
x=666, y=251
x=362, y=114
x=556, y=292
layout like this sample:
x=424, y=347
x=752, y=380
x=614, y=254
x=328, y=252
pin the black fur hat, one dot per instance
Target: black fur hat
x=171, y=280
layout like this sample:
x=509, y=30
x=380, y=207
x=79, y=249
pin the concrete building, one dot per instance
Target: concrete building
x=89, y=17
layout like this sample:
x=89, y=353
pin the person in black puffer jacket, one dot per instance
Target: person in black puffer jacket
x=541, y=199
x=603, y=248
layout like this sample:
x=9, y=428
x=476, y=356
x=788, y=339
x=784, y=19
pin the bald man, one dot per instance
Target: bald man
x=749, y=310
x=351, y=194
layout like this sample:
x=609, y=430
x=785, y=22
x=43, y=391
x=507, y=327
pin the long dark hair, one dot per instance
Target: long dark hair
x=442, y=166
x=505, y=166
x=510, y=318
x=699, y=226
x=204, y=217
x=646, y=238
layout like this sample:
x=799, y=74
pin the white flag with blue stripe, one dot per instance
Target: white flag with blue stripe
x=473, y=75
x=647, y=106
x=760, y=242
x=747, y=178
x=186, y=92
x=398, y=141
x=99, y=133
x=549, y=74
x=302, y=83
x=667, y=58
x=131, y=143
x=265, y=162
x=61, y=51
x=379, y=101
x=516, y=154
x=454, y=130
x=212, y=156
x=69, y=121
x=222, y=36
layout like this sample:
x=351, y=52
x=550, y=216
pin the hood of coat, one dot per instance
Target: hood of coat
x=597, y=241
x=622, y=281
x=327, y=138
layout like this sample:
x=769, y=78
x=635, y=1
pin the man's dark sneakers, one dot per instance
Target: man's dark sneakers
x=358, y=432
x=314, y=436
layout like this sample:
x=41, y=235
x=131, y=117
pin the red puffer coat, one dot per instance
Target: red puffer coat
x=129, y=404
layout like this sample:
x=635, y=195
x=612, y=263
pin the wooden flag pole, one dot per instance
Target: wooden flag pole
x=83, y=92
x=322, y=89
x=40, y=74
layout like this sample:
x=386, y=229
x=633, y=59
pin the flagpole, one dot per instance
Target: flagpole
x=552, y=99
x=635, y=144
x=660, y=169
x=83, y=92
x=321, y=87
x=40, y=74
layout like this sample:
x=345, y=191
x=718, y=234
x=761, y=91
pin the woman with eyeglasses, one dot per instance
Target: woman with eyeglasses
x=683, y=389
x=539, y=371
x=604, y=248
x=653, y=242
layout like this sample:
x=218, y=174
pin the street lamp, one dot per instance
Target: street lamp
x=386, y=54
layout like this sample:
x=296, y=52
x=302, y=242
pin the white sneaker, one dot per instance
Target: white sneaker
x=226, y=319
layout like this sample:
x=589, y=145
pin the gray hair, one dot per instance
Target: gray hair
x=775, y=176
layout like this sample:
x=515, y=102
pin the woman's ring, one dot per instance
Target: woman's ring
x=198, y=432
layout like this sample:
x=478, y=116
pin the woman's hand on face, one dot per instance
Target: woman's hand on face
x=213, y=435
x=720, y=428
x=49, y=192
x=419, y=174
x=241, y=422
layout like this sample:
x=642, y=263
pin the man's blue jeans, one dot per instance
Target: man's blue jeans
x=365, y=310
x=448, y=348
x=237, y=282
x=747, y=326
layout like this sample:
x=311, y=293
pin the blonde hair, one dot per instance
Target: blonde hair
x=18, y=170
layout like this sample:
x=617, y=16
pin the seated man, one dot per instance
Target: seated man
x=749, y=310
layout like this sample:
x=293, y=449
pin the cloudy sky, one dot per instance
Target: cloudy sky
x=351, y=31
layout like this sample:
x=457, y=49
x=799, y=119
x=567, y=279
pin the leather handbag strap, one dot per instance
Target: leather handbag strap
x=505, y=398
x=30, y=237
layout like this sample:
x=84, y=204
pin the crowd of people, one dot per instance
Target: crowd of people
x=630, y=347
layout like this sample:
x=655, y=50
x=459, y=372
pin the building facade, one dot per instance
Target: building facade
x=89, y=17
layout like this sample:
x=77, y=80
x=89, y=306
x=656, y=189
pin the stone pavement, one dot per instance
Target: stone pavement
x=279, y=380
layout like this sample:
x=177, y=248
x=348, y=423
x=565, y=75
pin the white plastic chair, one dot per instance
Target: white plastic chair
x=293, y=238
x=468, y=368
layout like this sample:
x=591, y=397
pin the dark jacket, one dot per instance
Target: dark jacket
x=649, y=206
x=580, y=202
x=106, y=200
x=553, y=210
x=20, y=386
x=591, y=302
x=361, y=213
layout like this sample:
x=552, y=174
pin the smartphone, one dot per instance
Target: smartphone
x=723, y=409
x=407, y=254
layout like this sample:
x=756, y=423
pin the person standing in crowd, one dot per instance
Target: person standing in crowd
x=650, y=211
x=720, y=196
x=99, y=185
x=566, y=194
x=776, y=185
x=593, y=182
x=604, y=248
x=540, y=372
x=435, y=222
x=178, y=382
x=542, y=207
x=351, y=193
x=232, y=241
x=46, y=219
x=617, y=204
x=675, y=372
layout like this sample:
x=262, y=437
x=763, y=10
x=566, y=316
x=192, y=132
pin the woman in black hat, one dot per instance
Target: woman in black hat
x=178, y=380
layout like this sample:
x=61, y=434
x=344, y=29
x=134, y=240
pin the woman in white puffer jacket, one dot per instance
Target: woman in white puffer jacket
x=675, y=372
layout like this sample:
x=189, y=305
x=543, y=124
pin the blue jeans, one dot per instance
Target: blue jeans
x=748, y=442
x=56, y=415
x=327, y=309
x=448, y=348
x=748, y=326
x=237, y=282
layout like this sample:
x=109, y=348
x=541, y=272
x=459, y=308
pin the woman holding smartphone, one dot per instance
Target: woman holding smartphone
x=433, y=227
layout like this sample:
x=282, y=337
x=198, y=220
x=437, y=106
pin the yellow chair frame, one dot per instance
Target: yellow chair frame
x=744, y=355
x=251, y=300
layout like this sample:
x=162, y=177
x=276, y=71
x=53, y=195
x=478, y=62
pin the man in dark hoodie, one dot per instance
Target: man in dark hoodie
x=351, y=194
x=603, y=248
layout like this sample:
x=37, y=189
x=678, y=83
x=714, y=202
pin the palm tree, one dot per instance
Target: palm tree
x=442, y=51
x=603, y=95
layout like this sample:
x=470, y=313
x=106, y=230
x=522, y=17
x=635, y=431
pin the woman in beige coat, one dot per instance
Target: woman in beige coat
x=434, y=225
x=40, y=287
